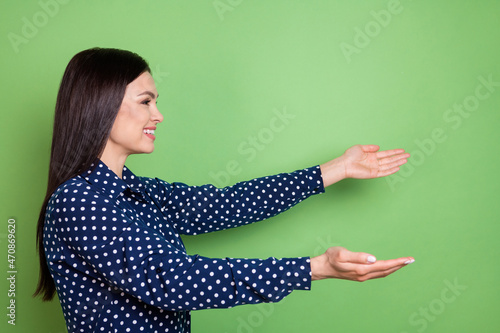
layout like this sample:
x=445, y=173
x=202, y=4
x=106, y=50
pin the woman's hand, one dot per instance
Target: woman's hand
x=340, y=263
x=363, y=162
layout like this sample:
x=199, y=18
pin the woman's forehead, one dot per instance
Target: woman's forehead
x=141, y=84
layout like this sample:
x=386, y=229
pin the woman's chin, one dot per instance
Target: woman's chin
x=150, y=150
x=145, y=150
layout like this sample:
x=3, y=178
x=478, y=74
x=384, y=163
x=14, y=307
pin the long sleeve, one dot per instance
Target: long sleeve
x=114, y=251
x=201, y=209
x=125, y=253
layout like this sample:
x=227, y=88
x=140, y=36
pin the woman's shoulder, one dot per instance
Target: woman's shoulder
x=71, y=187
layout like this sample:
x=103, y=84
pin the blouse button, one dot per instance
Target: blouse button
x=158, y=270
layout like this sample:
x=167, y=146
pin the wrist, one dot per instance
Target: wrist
x=333, y=171
x=317, y=265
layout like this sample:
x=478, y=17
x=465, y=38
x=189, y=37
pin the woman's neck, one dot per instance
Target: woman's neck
x=114, y=162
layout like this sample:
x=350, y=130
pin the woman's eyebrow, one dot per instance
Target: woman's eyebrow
x=149, y=93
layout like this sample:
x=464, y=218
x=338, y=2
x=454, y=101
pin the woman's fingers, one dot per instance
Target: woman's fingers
x=384, y=173
x=393, y=159
x=360, y=266
x=346, y=256
x=389, y=267
x=379, y=269
x=387, y=153
x=379, y=274
x=383, y=265
x=392, y=165
x=369, y=148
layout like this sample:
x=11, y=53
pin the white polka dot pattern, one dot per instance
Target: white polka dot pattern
x=119, y=264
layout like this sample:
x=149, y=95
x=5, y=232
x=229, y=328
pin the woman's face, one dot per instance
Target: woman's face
x=135, y=124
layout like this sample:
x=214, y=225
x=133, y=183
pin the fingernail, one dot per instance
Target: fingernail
x=409, y=261
x=371, y=259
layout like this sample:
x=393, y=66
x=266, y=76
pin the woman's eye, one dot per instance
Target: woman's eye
x=146, y=102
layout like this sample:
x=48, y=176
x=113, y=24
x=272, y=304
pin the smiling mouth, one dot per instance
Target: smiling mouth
x=150, y=133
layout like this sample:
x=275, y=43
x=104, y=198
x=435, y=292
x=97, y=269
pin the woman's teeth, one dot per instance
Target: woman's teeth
x=148, y=131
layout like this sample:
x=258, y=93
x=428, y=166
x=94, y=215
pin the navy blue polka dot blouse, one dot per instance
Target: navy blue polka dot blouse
x=114, y=251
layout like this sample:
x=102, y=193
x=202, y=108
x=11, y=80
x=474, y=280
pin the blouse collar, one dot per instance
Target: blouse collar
x=100, y=175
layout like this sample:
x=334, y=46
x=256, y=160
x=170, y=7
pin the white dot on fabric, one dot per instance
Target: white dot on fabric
x=114, y=248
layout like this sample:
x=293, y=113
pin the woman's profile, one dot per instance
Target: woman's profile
x=109, y=241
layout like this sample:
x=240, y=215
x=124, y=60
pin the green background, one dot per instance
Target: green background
x=347, y=73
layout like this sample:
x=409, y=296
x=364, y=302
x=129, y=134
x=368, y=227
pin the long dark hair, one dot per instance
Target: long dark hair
x=90, y=95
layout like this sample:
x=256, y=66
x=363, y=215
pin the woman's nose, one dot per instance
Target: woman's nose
x=156, y=116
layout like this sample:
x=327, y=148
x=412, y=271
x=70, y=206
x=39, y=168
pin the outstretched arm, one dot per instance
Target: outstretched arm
x=363, y=162
x=194, y=210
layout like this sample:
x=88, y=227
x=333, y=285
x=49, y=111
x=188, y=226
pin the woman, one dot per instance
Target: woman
x=109, y=241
